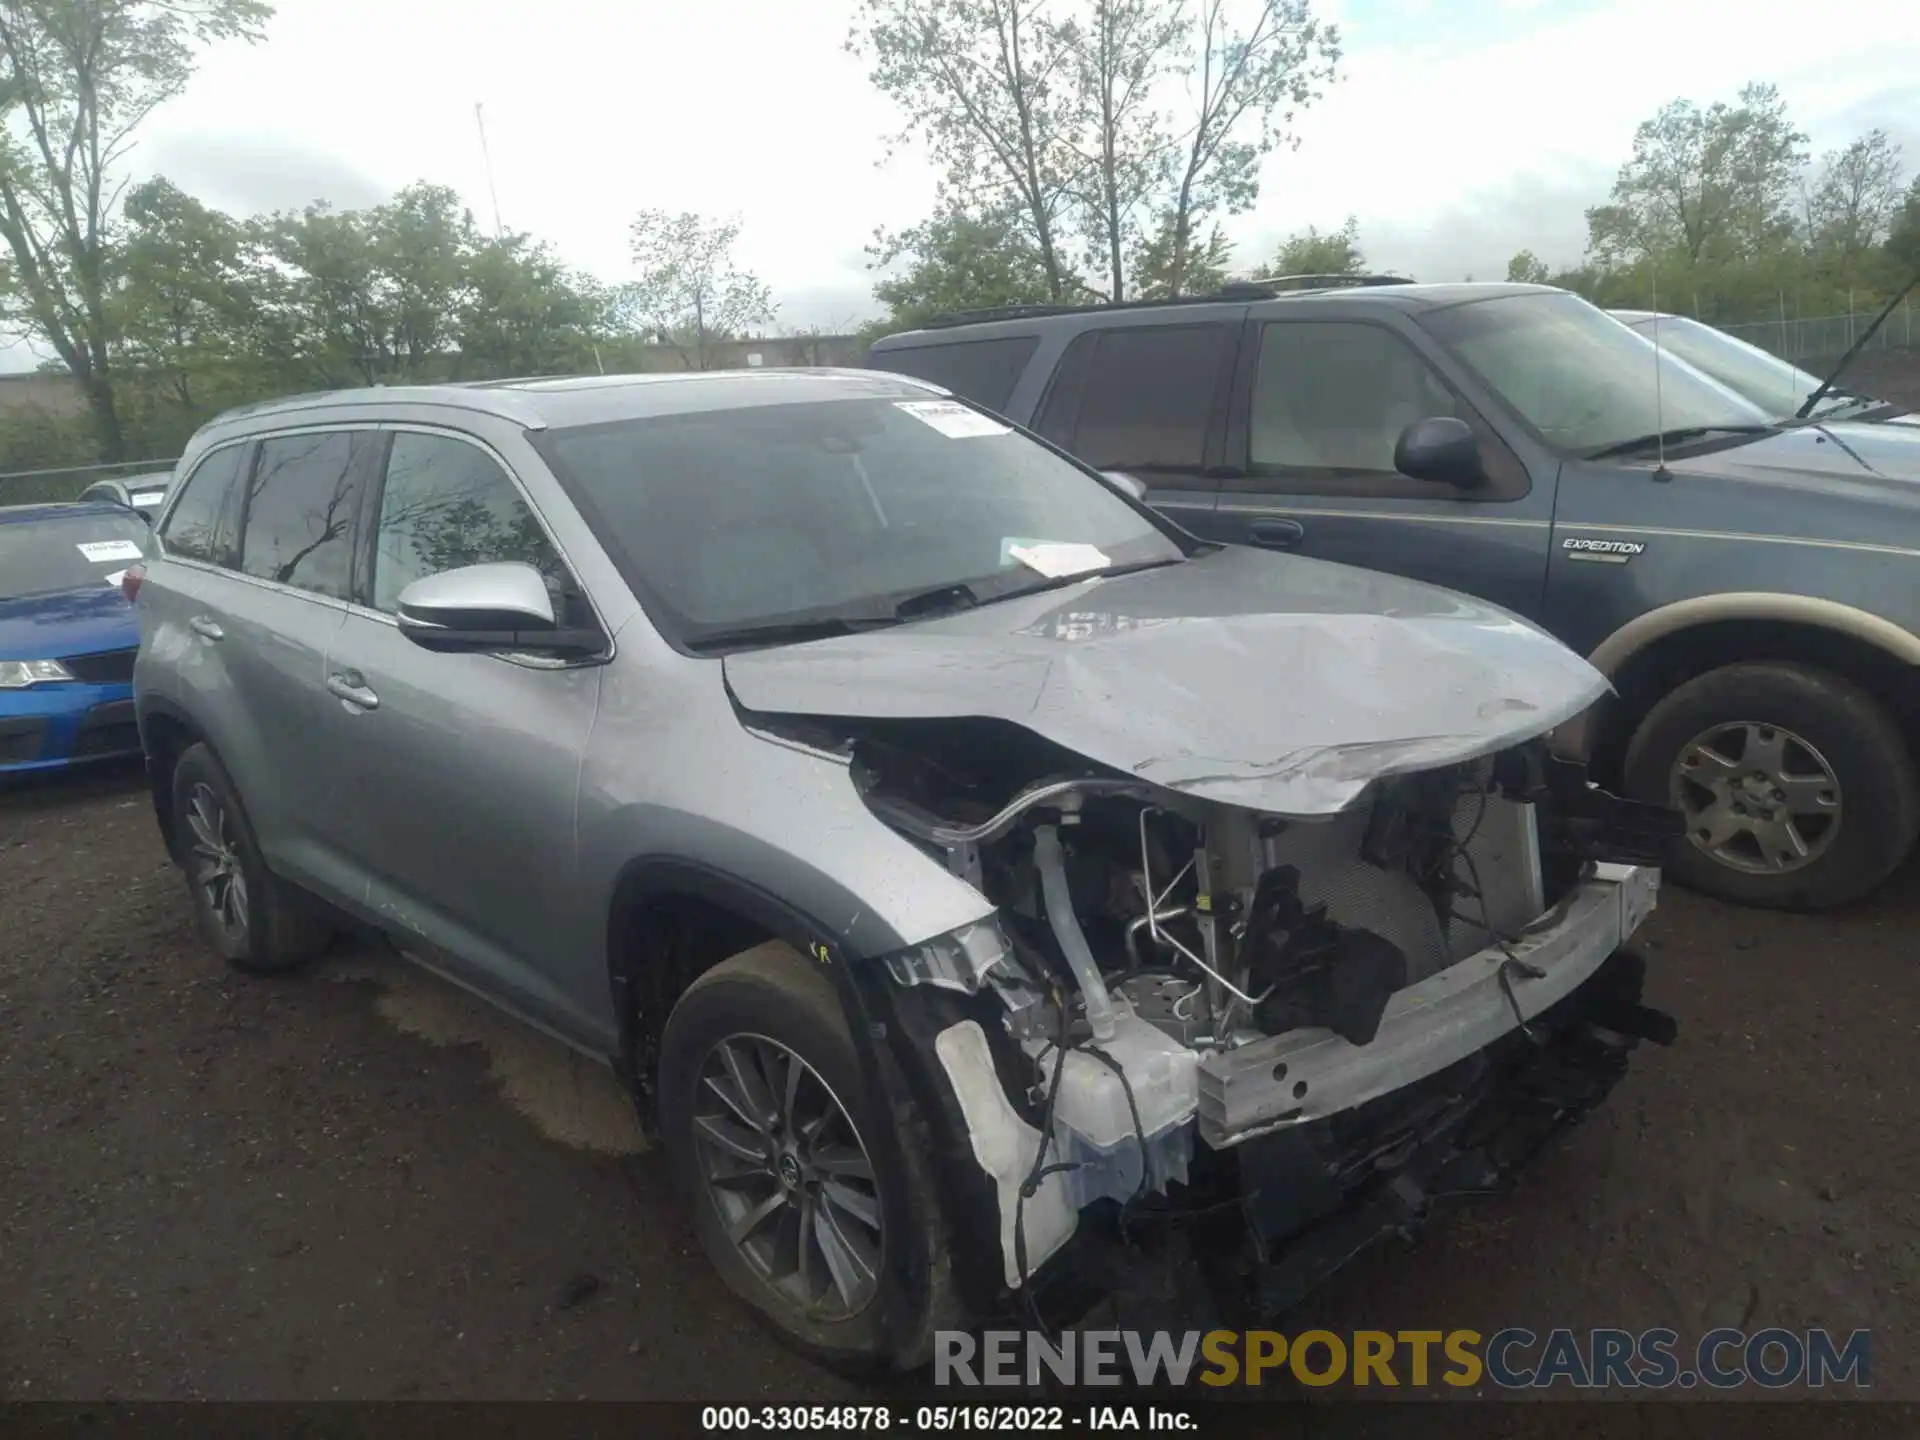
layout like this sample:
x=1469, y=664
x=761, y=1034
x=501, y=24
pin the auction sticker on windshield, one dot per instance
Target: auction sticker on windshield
x=1055, y=558
x=99, y=550
x=149, y=497
x=952, y=419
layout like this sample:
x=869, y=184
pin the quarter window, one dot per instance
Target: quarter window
x=193, y=525
x=446, y=504
x=301, y=500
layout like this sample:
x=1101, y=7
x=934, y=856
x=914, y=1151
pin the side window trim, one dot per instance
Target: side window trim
x=1337, y=482
x=374, y=498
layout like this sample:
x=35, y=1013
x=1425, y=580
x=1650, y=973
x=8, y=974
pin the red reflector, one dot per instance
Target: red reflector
x=130, y=582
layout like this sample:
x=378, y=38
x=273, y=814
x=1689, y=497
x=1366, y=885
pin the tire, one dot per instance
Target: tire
x=757, y=1005
x=272, y=928
x=1804, y=724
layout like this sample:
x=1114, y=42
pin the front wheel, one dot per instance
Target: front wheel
x=776, y=1143
x=1797, y=788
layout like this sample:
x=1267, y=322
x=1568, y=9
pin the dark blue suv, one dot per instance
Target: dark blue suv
x=1751, y=586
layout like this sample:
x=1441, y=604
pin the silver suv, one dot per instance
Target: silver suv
x=959, y=860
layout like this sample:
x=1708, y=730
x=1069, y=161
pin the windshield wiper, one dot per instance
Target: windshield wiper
x=1679, y=436
x=940, y=600
x=789, y=632
x=1840, y=365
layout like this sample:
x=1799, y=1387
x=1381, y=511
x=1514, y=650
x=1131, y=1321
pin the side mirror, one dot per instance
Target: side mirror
x=1441, y=449
x=499, y=607
x=1131, y=486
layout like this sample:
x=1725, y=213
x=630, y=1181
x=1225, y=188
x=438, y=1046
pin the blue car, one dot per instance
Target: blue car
x=68, y=636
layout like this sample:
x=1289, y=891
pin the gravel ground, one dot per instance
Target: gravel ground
x=358, y=1183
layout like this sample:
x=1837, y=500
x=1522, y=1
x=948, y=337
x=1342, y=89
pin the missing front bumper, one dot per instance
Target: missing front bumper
x=1309, y=1075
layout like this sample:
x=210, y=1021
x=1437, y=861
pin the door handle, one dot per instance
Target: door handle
x=351, y=687
x=206, y=629
x=1277, y=534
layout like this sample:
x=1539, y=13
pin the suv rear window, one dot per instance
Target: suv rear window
x=983, y=371
x=192, y=528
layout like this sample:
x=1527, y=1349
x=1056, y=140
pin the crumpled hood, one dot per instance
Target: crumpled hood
x=1278, y=683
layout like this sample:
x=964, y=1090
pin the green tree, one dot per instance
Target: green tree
x=954, y=262
x=988, y=88
x=1855, y=196
x=1710, y=186
x=1527, y=268
x=1247, y=84
x=1049, y=112
x=1311, y=253
x=522, y=312
x=1121, y=56
x=77, y=78
x=185, y=306
x=690, y=293
x=1902, y=245
x=1202, y=268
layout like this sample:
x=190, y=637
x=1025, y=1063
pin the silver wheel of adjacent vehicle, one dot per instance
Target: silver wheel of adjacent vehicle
x=214, y=862
x=1757, y=798
x=1796, y=784
x=786, y=1170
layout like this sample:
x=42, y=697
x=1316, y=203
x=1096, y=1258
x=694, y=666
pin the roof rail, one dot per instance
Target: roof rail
x=1268, y=288
x=1283, y=283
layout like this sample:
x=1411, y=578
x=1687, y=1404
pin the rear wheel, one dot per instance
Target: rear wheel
x=777, y=1145
x=257, y=921
x=1797, y=788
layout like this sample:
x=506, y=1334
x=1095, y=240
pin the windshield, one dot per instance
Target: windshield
x=1582, y=379
x=1768, y=381
x=767, y=515
x=68, y=552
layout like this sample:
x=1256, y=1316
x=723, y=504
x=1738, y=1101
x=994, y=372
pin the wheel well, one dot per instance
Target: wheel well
x=165, y=738
x=659, y=942
x=1654, y=671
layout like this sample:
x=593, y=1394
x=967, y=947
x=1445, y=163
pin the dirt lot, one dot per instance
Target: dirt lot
x=358, y=1183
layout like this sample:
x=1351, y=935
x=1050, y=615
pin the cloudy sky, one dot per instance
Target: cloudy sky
x=1461, y=130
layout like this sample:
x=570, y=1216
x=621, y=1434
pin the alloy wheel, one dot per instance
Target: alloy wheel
x=1756, y=797
x=789, y=1177
x=215, y=862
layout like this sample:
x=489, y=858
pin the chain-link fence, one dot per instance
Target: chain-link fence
x=28, y=487
x=1825, y=337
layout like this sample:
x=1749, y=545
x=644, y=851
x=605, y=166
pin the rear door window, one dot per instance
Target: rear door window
x=192, y=529
x=301, y=501
x=983, y=371
x=1139, y=399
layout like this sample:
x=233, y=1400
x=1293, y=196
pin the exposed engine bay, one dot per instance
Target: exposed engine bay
x=1167, y=979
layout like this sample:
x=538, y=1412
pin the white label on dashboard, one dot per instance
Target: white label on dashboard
x=98, y=550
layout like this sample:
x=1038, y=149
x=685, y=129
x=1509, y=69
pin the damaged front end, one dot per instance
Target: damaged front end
x=1308, y=1027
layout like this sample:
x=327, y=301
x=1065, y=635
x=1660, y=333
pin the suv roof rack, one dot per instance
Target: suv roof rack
x=1266, y=288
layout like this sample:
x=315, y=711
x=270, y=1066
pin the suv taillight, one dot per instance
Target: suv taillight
x=130, y=582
